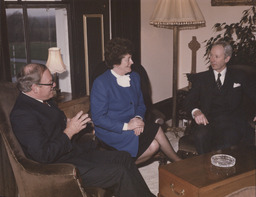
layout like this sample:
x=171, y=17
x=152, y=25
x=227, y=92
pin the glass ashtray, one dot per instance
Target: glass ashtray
x=223, y=160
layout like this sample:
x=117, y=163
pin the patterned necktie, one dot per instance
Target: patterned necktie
x=219, y=82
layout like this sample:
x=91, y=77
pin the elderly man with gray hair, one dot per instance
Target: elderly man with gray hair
x=215, y=102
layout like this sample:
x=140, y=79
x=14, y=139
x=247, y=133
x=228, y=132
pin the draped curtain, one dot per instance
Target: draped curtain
x=5, y=69
x=125, y=17
x=7, y=181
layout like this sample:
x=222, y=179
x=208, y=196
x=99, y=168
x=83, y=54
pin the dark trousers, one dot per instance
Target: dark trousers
x=217, y=135
x=116, y=170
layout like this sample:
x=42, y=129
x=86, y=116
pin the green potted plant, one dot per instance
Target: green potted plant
x=241, y=36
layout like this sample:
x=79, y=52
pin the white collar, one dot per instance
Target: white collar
x=122, y=80
x=33, y=98
x=223, y=74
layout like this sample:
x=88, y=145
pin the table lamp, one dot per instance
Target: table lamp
x=176, y=15
x=56, y=66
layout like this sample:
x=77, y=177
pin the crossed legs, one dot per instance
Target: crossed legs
x=161, y=142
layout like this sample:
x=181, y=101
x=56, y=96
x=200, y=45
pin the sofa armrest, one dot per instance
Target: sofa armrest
x=35, y=168
x=35, y=179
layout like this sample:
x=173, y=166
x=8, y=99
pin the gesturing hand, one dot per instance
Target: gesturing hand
x=76, y=124
x=200, y=118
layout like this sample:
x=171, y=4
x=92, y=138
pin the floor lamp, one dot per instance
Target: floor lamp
x=176, y=15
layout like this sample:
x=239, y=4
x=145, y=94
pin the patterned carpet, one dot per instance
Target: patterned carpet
x=150, y=172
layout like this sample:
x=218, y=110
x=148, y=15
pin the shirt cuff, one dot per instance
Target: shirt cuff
x=125, y=127
x=193, y=112
x=139, y=117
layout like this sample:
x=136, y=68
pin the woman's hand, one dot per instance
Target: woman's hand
x=76, y=124
x=138, y=131
x=137, y=125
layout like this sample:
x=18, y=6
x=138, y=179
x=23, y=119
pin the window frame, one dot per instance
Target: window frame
x=24, y=5
x=75, y=10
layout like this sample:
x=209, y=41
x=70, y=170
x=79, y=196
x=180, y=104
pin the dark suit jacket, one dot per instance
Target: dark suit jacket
x=236, y=84
x=39, y=129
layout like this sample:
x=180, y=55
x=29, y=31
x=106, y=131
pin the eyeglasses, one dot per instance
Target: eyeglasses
x=46, y=84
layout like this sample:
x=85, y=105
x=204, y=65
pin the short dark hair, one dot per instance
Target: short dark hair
x=116, y=49
x=227, y=47
x=29, y=75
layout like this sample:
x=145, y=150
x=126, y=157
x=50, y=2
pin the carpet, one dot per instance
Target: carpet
x=150, y=172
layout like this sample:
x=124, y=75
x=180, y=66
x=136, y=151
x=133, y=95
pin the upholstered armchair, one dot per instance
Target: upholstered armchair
x=32, y=178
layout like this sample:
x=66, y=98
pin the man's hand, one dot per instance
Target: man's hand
x=76, y=124
x=137, y=125
x=254, y=120
x=200, y=117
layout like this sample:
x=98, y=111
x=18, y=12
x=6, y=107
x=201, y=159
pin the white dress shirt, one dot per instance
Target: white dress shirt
x=222, y=78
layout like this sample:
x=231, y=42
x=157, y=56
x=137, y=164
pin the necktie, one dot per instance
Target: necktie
x=219, y=82
x=46, y=103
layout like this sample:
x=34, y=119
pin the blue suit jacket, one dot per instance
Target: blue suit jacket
x=112, y=106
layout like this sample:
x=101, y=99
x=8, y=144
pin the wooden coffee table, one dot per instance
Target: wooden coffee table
x=196, y=176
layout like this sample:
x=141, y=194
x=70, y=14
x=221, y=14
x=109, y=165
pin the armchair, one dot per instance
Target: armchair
x=33, y=178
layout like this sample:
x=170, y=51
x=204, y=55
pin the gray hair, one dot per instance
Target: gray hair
x=29, y=75
x=227, y=48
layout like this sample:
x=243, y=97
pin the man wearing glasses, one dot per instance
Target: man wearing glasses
x=46, y=136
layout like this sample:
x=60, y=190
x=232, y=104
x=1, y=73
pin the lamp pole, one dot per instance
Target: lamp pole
x=175, y=74
x=176, y=15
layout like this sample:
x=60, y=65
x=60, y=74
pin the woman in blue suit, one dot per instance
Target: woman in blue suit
x=118, y=108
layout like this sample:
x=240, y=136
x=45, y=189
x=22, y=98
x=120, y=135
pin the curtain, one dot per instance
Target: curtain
x=125, y=17
x=5, y=69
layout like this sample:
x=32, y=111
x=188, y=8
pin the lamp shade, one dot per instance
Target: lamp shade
x=182, y=13
x=55, y=63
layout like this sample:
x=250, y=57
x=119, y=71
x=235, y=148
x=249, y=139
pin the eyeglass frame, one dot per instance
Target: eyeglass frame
x=46, y=84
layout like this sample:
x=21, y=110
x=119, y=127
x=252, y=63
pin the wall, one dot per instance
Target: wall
x=62, y=43
x=156, y=45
